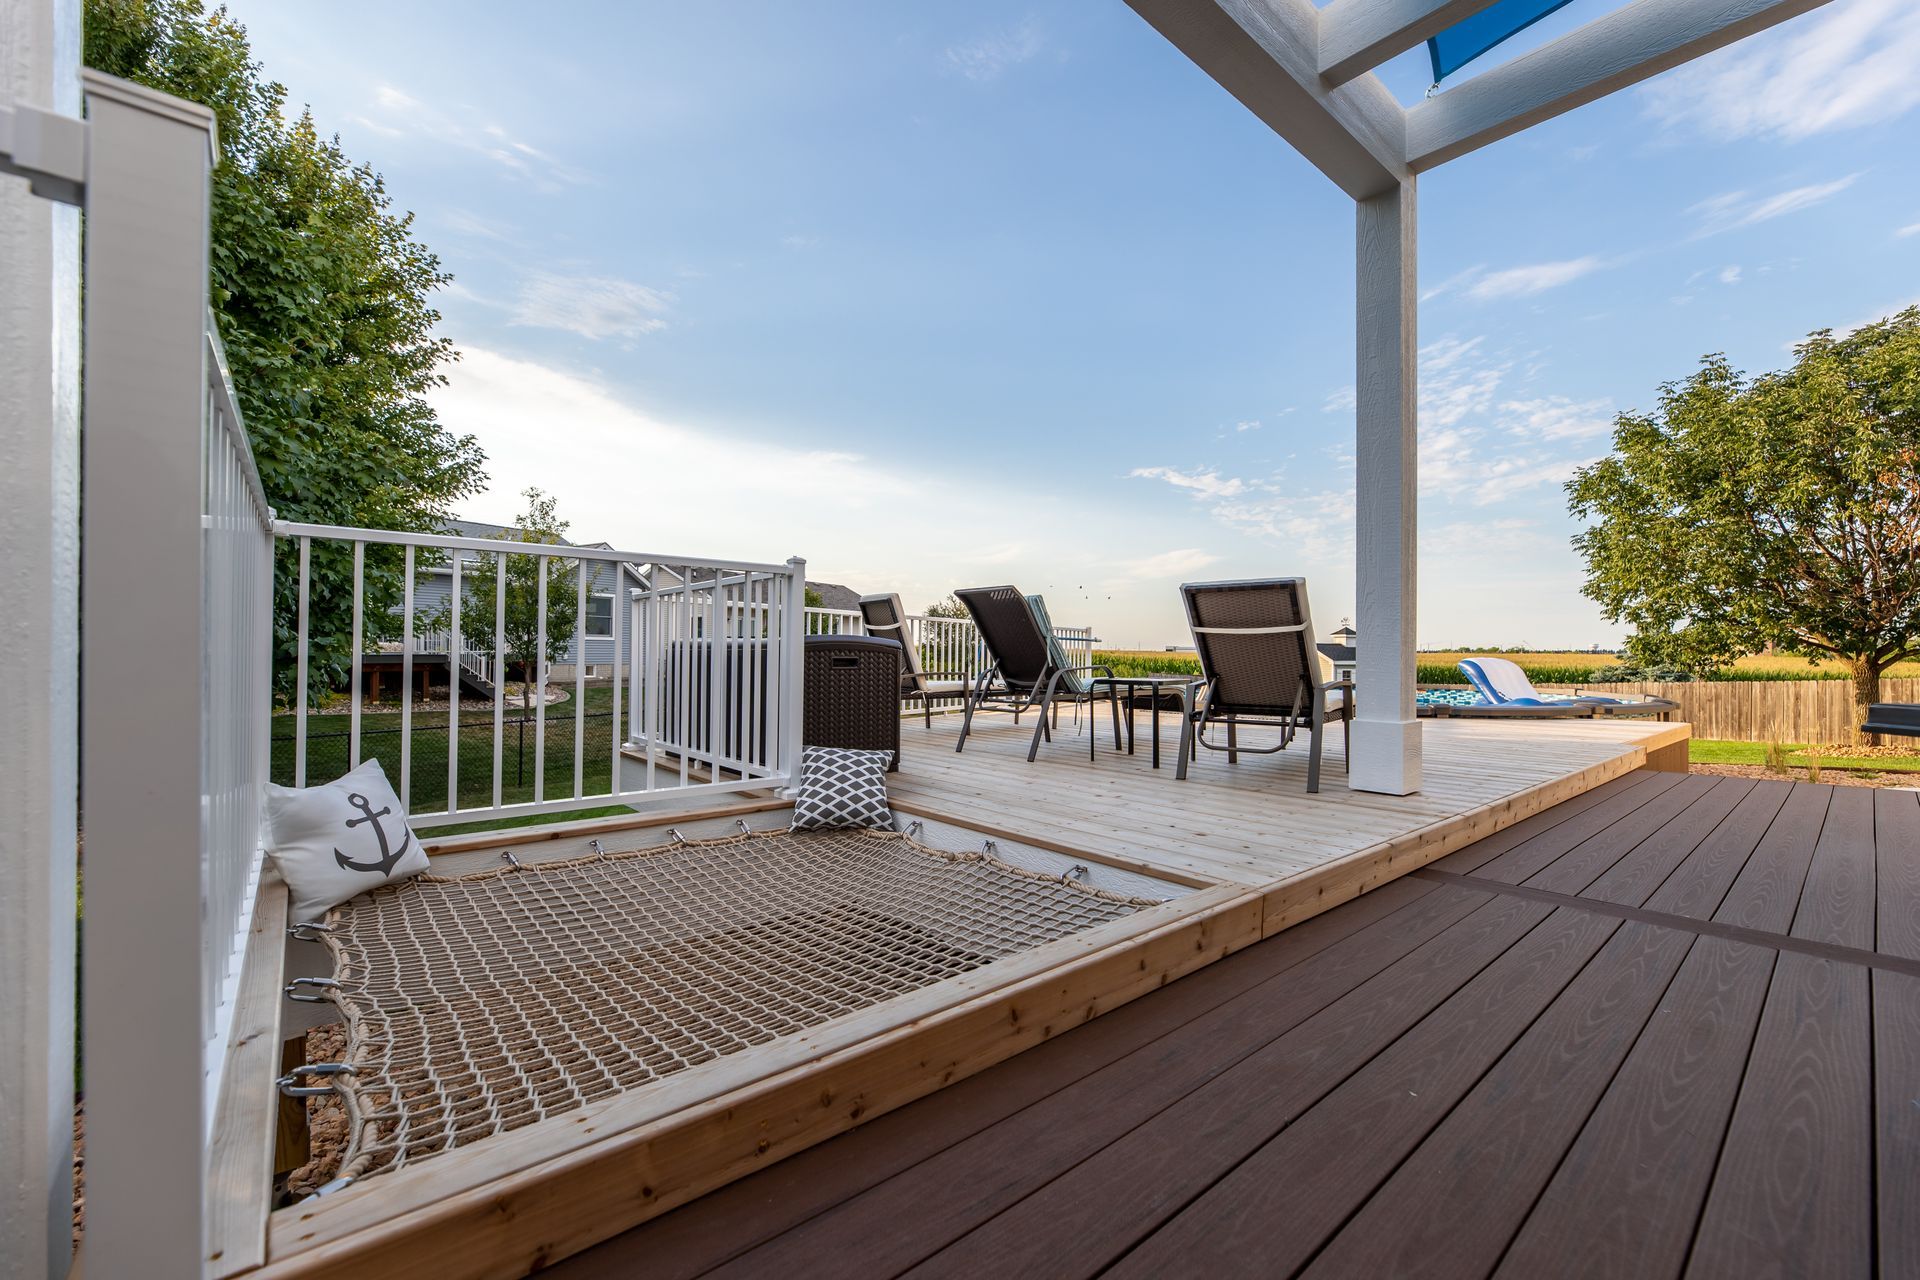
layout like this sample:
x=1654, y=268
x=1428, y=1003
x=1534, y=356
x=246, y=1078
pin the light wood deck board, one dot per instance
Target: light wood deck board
x=1252, y=823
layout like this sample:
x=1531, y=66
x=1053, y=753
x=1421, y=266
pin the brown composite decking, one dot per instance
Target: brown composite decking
x=1670, y=1027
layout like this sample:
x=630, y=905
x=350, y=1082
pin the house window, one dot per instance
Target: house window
x=600, y=615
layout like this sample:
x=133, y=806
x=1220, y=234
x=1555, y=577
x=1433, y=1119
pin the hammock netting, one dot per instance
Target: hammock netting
x=481, y=1003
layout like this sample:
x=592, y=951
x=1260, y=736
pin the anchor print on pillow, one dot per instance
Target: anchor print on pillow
x=336, y=841
x=384, y=864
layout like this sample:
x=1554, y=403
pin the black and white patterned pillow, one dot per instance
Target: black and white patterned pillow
x=842, y=787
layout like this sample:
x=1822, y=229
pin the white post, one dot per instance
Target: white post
x=39, y=630
x=1386, y=734
x=143, y=669
x=793, y=690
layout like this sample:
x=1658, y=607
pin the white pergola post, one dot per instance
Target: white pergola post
x=39, y=633
x=1386, y=734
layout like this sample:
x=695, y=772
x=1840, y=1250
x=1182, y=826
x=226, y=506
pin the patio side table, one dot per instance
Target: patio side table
x=1156, y=687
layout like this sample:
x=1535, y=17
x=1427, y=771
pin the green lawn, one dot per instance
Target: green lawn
x=1714, y=751
x=328, y=743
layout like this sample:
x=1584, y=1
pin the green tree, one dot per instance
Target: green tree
x=321, y=293
x=539, y=524
x=1780, y=509
x=947, y=608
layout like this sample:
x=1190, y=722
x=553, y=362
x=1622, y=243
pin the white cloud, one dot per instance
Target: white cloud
x=394, y=113
x=1730, y=275
x=466, y=222
x=1453, y=282
x=1732, y=210
x=1850, y=65
x=1201, y=484
x=1252, y=424
x=1339, y=401
x=1523, y=282
x=1558, y=418
x=990, y=55
x=1913, y=230
x=1454, y=384
x=564, y=432
x=594, y=307
x=1173, y=564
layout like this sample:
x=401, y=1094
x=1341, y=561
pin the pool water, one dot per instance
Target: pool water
x=1448, y=698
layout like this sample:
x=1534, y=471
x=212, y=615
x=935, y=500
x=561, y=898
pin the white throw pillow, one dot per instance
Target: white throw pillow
x=339, y=840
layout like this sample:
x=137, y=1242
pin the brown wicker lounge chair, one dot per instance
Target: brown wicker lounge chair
x=885, y=618
x=1255, y=641
x=1029, y=667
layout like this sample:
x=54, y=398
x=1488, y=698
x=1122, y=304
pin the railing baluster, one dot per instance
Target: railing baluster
x=359, y=606
x=716, y=681
x=300, y=668
x=454, y=610
x=579, y=678
x=613, y=721
x=653, y=720
x=540, y=683
x=406, y=682
x=499, y=666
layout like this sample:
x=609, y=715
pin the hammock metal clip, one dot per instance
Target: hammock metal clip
x=989, y=848
x=913, y=828
x=308, y=931
x=1078, y=872
x=594, y=844
x=507, y=856
x=745, y=830
x=325, y=984
x=677, y=837
x=321, y=1069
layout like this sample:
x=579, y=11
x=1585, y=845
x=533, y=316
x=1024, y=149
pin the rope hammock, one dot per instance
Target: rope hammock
x=480, y=1003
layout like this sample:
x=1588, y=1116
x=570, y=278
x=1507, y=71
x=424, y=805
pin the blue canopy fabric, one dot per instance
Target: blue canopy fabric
x=1466, y=40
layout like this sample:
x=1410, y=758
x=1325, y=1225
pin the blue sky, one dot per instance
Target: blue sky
x=937, y=296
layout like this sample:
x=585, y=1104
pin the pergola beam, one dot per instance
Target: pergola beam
x=1610, y=53
x=1358, y=35
x=1266, y=53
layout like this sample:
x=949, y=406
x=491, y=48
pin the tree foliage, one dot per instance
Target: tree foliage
x=1779, y=509
x=322, y=295
x=539, y=524
x=950, y=607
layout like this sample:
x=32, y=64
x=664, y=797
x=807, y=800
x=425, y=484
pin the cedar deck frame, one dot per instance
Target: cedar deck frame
x=1259, y=854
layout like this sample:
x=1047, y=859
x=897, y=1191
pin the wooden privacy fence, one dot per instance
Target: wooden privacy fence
x=1814, y=711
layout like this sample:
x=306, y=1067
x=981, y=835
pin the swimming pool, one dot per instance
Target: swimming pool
x=1448, y=698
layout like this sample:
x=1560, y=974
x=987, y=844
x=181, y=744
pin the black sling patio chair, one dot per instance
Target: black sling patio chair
x=885, y=618
x=1029, y=667
x=1255, y=641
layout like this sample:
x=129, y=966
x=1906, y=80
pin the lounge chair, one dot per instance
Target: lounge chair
x=1504, y=689
x=1503, y=684
x=885, y=618
x=1030, y=668
x=1257, y=656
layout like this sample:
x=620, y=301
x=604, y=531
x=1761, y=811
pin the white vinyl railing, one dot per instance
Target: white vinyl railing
x=518, y=757
x=236, y=680
x=713, y=668
x=945, y=644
